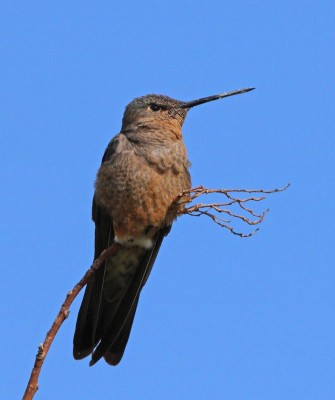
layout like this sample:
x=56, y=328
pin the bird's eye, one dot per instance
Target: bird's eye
x=154, y=107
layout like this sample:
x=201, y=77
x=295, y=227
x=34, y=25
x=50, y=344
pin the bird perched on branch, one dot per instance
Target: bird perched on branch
x=143, y=170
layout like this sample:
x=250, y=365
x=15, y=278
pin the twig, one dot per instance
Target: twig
x=213, y=210
x=61, y=316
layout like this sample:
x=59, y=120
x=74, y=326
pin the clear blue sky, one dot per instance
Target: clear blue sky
x=220, y=317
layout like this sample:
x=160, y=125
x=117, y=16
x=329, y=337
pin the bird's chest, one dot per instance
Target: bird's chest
x=137, y=192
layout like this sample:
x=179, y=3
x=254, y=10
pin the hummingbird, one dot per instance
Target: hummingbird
x=144, y=168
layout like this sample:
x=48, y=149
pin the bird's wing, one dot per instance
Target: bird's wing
x=85, y=338
x=107, y=324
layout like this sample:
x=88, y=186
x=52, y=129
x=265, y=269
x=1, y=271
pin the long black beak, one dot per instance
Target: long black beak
x=193, y=103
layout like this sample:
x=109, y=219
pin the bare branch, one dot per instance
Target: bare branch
x=61, y=316
x=213, y=210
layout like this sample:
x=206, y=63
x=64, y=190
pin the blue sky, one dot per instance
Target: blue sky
x=220, y=317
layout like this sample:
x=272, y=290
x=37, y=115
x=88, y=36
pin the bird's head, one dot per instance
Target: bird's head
x=155, y=110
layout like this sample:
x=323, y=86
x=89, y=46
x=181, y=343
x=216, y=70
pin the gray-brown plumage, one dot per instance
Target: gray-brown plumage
x=143, y=169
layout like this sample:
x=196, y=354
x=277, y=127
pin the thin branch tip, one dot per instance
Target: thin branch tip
x=246, y=215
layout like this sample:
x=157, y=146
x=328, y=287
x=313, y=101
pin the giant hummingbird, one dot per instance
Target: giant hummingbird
x=144, y=168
